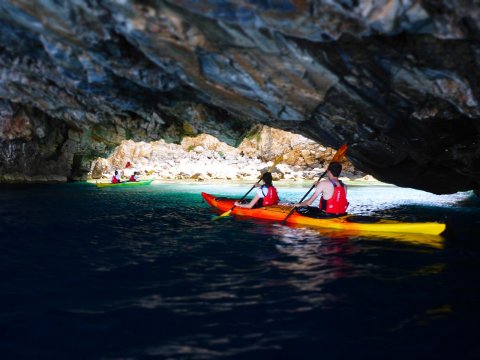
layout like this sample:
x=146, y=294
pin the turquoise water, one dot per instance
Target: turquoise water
x=137, y=273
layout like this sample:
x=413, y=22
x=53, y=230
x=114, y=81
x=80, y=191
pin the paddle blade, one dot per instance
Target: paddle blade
x=275, y=163
x=342, y=150
x=225, y=214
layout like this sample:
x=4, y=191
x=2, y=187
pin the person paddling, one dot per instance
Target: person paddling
x=116, y=178
x=134, y=177
x=333, y=190
x=266, y=195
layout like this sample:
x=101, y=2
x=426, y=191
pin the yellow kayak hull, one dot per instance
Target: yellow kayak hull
x=347, y=222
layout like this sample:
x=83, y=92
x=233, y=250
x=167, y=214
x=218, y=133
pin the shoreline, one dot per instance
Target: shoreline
x=286, y=182
x=156, y=180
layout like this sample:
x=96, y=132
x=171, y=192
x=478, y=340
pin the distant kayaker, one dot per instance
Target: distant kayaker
x=333, y=190
x=266, y=195
x=134, y=177
x=116, y=178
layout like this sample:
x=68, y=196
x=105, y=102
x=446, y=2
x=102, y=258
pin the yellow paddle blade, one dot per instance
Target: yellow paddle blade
x=275, y=163
x=342, y=150
x=226, y=213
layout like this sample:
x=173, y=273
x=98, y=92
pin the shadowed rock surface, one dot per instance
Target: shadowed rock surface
x=397, y=80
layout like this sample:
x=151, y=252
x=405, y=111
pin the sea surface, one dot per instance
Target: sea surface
x=144, y=273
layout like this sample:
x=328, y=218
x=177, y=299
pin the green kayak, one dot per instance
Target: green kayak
x=125, y=183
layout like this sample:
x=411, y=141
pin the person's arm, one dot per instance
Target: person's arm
x=251, y=204
x=312, y=198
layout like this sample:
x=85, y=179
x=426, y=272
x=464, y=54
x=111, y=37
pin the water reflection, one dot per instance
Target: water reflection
x=313, y=262
x=299, y=233
x=146, y=273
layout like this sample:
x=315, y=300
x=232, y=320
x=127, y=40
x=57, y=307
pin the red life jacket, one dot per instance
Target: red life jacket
x=338, y=203
x=272, y=196
x=114, y=180
x=132, y=178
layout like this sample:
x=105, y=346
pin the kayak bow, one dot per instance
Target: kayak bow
x=346, y=222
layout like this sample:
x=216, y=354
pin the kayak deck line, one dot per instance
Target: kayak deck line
x=125, y=183
x=345, y=222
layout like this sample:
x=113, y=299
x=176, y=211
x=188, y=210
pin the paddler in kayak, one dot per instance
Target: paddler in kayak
x=116, y=178
x=134, y=177
x=266, y=194
x=333, y=190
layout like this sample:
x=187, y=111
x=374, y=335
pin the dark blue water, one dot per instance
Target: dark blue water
x=139, y=273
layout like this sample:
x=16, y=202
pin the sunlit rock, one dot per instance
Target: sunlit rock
x=204, y=157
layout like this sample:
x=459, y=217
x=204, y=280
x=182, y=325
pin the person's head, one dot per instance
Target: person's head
x=267, y=178
x=335, y=168
x=116, y=172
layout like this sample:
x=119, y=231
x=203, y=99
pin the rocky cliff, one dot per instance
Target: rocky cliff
x=397, y=80
x=204, y=157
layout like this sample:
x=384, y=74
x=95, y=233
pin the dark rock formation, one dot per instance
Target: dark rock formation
x=397, y=80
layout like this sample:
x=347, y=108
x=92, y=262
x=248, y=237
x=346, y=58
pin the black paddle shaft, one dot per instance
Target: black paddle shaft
x=253, y=187
x=244, y=196
x=303, y=198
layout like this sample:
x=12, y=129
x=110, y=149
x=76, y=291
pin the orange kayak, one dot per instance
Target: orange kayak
x=346, y=222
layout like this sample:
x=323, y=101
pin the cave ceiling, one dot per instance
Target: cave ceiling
x=399, y=81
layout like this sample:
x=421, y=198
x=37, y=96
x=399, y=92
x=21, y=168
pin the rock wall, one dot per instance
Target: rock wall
x=33, y=146
x=396, y=80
